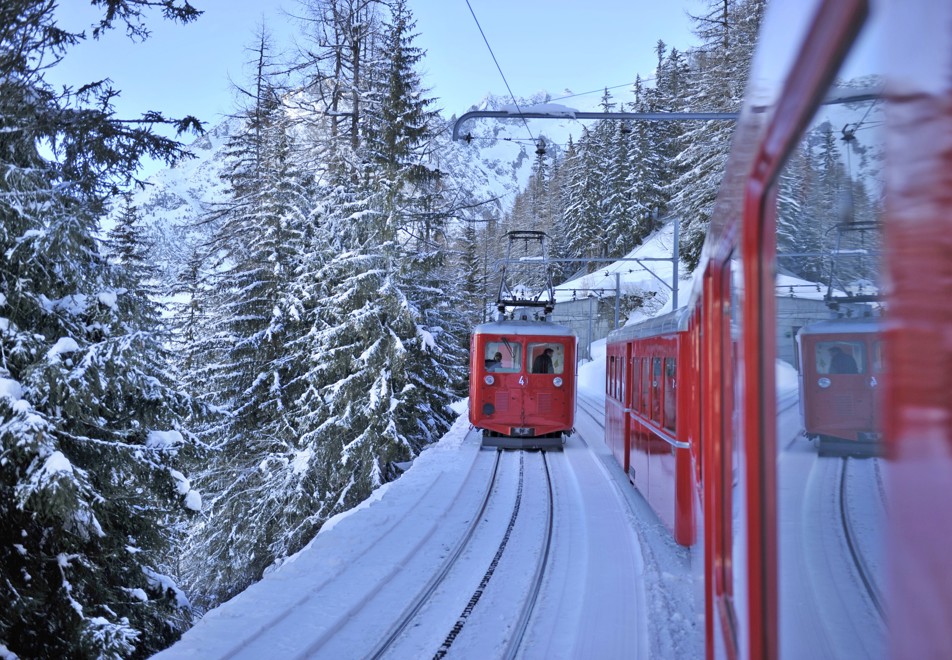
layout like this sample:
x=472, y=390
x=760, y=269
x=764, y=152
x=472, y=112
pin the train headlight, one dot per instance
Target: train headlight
x=823, y=382
x=557, y=381
x=489, y=380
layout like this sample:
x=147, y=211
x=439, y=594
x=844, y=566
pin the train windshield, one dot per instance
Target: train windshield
x=503, y=356
x=840, y=357
x=547, y=358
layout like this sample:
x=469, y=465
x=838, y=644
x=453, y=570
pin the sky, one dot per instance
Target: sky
x=552, y=45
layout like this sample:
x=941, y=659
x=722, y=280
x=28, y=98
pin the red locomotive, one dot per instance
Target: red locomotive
x=781, y=578
x=523, y=370
x=522, y=383
x=841, y=377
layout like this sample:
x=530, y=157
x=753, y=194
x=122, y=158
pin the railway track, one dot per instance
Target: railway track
x=414, y=616
x=859, y=547
x=489, y=562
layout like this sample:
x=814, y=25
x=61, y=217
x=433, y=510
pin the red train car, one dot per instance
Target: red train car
x=522, y=383
x=868, y=87
x=648, y=424
x=841, y=378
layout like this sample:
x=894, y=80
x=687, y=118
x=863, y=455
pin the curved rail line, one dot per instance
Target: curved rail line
x=411, y=610
x=515, y=640
x=593, y=410
x=865, y=573
x=314, y=592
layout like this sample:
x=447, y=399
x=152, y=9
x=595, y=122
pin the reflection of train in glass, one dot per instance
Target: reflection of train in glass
x=841, y=377
x=522, y=383
x=780, y=578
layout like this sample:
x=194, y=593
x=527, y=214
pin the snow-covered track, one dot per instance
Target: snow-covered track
x=322, y=600
x=481, y=602
x=865, y=564
x=515, y=642
x=408, y=614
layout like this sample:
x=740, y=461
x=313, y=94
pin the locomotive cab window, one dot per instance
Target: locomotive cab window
x=840, y=357
x=505, y=357
x=546, y=358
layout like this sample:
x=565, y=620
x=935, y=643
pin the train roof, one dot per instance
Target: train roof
x=521, y=328
x=676, y=321
x=839, y=326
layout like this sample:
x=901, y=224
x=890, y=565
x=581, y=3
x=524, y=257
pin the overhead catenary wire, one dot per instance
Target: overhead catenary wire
x=499, y=68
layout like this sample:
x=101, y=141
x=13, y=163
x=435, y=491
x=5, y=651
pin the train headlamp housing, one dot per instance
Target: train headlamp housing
x=489, y=380
x=557, y=381
x=823, y=382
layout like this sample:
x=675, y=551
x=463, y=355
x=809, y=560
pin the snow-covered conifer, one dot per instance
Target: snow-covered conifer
x=90, y=425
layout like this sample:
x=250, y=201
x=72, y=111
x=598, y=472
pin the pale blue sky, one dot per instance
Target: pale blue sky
x=540, y=44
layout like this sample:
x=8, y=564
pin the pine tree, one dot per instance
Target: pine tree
x=581, y=215
x=728, y=32
x=251, y=366
x=90, y=424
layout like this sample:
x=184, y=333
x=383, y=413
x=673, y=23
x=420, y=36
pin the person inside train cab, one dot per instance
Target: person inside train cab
x=495, y=363
x=543, y=362
x=841, y=363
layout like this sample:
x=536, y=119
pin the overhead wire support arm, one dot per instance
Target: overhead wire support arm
x=571, y=114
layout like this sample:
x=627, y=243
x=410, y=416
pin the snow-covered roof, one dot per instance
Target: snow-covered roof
x=523, y=328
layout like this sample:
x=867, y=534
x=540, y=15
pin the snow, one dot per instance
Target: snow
x=62, y=346
x=10, y=389
x=193, y=500
x=57, y=463
x=109, y=298
x=164, y=439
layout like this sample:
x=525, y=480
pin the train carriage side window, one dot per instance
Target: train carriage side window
x=612, y=384
x=635, y=393
x=645, y=385
x=670, y=393
x=656, y=378
x=621, y=379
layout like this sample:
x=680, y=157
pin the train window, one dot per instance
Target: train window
x=611, y=376
x=840, y=357
x=828, y=207
x=656, y=378
x=621, y=379
x=505, y=357
x=645, y=385
x=635, y=384
x=546, y=358
x=878, y=365
x=670, y=390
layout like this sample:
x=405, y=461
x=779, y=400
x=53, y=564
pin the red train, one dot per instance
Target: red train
x=644, y=403
x=724, y=466
x=522, y=383
x=841, y=378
